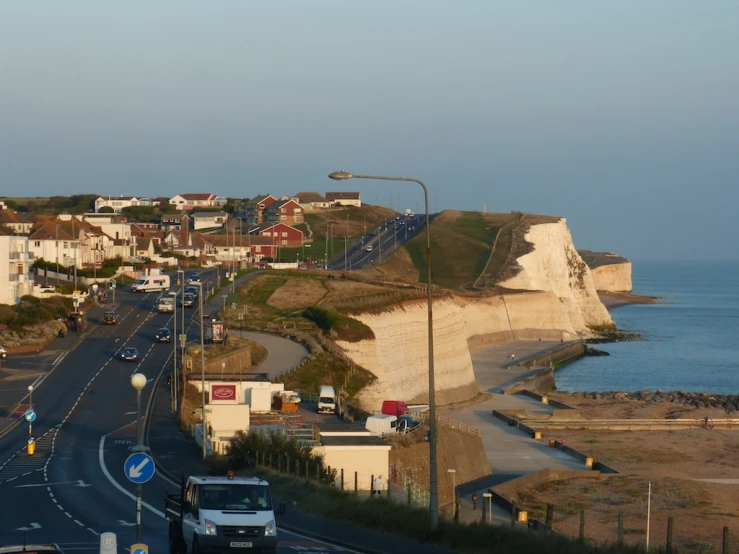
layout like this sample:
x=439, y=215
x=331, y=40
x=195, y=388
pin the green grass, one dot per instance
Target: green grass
x=345, y=327
x=398, y=518
x=460, y=248
x=258, y=295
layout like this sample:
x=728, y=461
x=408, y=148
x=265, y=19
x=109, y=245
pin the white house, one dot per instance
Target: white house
x=311, y=200
x=15, y=269
x=344, y=199
x=209, y=220
x=190, y=200
x=17, y=223
x=117, y=202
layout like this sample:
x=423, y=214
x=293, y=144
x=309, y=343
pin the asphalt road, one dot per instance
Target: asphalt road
x=73, y=488
x=383, y=245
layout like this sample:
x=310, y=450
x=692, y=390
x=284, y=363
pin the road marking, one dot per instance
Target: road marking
x=79, y=483
x=32, y=526
x=125, y=523
x=101, y=459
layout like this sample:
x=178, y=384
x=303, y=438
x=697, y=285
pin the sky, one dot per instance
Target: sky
x=622, y=117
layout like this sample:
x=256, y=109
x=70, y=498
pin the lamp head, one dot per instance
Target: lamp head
x=138, y=381
x=341, y=175
x=30, y=388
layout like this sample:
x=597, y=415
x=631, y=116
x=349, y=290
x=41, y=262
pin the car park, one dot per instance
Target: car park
x=129, y=354
x=163, y=335
x=110, y=318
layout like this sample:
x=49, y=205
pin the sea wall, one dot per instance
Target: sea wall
x=613, y=277
x=555, y=266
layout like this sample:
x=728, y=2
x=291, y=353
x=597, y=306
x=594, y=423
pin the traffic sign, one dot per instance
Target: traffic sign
x=139, y=468
x=139, y=549
x=30, y=416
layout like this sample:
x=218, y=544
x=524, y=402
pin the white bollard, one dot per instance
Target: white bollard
x=108, y=543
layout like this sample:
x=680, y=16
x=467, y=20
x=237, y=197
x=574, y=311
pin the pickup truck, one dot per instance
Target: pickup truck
x=221, y=514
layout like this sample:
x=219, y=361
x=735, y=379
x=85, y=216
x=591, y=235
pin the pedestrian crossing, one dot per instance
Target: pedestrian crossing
x=21, y=464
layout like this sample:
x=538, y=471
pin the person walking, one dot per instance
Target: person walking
x=474, y=501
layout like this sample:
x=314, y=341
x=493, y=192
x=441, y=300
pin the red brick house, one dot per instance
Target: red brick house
x=254, y=210
x=282, y=235
x=288, y=212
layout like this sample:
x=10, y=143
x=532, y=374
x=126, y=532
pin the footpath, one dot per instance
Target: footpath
x=176, y=454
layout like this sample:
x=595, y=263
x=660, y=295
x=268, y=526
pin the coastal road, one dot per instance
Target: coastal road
x=388, y=238
x=73, y=488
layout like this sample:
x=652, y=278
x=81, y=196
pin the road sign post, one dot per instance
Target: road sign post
x=139, y=549
x=139, y=468
x=30, y=416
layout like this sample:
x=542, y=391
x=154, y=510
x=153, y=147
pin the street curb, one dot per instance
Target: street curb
x=324, y=539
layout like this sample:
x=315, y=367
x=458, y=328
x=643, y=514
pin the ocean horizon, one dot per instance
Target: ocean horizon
x=690, y=339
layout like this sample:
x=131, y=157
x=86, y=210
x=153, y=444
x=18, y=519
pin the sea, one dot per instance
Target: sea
x=690, y=339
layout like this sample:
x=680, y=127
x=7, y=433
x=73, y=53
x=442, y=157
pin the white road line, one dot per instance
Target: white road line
x=101, y=459
x=78, y=522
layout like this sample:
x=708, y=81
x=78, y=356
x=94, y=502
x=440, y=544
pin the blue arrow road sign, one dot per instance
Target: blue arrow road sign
x=139, y=468
x=30, y=415
x=139, y=549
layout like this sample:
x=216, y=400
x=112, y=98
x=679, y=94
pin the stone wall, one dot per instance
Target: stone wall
x=234, y=361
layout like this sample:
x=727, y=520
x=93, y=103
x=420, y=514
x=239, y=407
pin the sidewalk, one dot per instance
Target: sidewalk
x=176, y=453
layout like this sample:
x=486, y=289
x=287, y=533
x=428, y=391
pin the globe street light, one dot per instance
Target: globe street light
x=138, y=382
x=433, y=478
x=30, y=407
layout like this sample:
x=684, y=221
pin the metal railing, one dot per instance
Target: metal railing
x=463, y=427
x=419, y=495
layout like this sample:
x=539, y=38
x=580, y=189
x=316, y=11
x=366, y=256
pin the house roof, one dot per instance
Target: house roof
x=197, y=215
x=280, y=203
x=262, y=198
x=197, y=196
x=11, y=216
x=111, y=198
x=331, y=196
x=51, y=229
x=310, y=197
x=266, y=226
x=143, y=243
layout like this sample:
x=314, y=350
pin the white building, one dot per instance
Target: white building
x=15, y=269
x=209, y=220
x=344, y=199
x=118, y=202
x=190, y=200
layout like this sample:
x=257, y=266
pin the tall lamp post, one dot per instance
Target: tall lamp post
x=202, y=368
x=30, y=407
x=138, y=382
x=433, y=478
x=182, y=343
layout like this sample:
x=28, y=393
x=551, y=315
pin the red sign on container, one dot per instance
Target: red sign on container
x=224, y=392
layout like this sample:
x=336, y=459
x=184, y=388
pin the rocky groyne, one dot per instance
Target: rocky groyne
x=700, y=400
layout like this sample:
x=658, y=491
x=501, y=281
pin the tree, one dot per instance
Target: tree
x=106, y=210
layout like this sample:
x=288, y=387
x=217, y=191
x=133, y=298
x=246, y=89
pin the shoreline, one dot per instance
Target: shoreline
x=613, y=300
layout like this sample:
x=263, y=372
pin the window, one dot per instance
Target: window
x=298, y=211
x=65, y=245
x=38, y=243
x=283, y=210
x=259, y=248
x=283, y=217
x=298, y=218
x=284, y=242
x=284, y=233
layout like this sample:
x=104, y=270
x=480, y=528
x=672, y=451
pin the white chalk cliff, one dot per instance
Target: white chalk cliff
x=554, y=265
x=614, y=277
x=559, y=301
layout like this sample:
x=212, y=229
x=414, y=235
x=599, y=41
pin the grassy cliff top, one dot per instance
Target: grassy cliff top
x=598, y=259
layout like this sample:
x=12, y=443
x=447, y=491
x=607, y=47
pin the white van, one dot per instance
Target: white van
x=151, y=283
x=382, y=424
x=327, y=400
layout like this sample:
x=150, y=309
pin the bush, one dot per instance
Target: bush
x=32, y=311
x=346, y=328
x=245, y=448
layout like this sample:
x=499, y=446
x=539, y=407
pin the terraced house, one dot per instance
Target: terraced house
x=253, y=213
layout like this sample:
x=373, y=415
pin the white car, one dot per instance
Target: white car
x=3, y=352
x=45, y=288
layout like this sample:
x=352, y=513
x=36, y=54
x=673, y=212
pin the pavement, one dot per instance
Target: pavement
x=384, y=243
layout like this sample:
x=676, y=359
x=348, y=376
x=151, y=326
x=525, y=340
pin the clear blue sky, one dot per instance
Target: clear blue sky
x=622, y=117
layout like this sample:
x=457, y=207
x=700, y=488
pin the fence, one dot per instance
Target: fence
x=415, y=493
x=463, y=427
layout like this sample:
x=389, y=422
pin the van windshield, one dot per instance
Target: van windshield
x=140, y=281
x=326, y=400
x=235, y=496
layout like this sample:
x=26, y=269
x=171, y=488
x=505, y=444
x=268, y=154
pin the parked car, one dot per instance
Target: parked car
x=163, y=335
x=110, y=318
x=130, y=354
x=45, y=288
x=3, y=352
x=262, y=265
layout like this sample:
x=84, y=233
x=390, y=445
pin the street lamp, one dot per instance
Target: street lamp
x=433, y=478
x=30, y=407
x=176, y=338
x=138, y=382
x=202, y=367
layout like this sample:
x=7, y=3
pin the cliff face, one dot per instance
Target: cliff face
x=613, y=278
x=558, y=301
x=555, y=266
